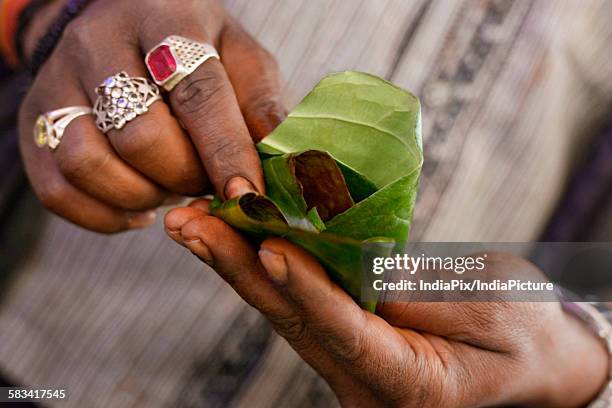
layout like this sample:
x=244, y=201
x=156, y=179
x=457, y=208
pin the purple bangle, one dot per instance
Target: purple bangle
x=600, y=326
x=47, y=44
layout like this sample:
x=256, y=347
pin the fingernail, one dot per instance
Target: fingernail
x=199, y=248
x=141, y=219
x=238, y=186
x=175, y=235
x=275, y=265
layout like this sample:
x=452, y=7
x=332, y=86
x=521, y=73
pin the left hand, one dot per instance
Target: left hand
x=409, y=354
x=197, y=140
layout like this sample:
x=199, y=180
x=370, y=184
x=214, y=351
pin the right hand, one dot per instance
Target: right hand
x=110, y=183
x=409, y=354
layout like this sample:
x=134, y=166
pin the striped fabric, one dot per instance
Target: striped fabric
x=511, y=97
x=585, y=212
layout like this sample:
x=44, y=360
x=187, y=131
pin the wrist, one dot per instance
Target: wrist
x=39, y=25
x=579, y=367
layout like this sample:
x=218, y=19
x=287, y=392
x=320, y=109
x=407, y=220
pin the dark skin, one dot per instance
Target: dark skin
x=414, y=355
x=108, y=182
x=407, y=354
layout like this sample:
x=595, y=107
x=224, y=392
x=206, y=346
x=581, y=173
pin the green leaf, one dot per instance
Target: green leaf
x=364, y=122
x=315, y=219
x=251, y=213
x=387, y=213
x=341, y=256
x=359, y=186
x=342, y=171
x=300, y=182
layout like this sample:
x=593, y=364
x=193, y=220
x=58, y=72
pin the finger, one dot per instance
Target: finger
x=88, y=161
x=236, y=261
x=347, y=332
x=154, y=143
x=178, y=217
x=206, y=105
x=255, y=76
x=232, y=255
x=201, y=203
x=59, y=196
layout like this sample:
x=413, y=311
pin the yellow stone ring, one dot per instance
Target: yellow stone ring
x=49, y=127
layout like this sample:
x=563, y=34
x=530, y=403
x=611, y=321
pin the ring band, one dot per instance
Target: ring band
x=121, y=98
x=50, y=127
x=175, y=58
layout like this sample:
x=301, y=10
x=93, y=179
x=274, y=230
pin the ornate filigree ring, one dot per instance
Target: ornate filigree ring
x=49, y=127
x=122, y=98
x=175, y=58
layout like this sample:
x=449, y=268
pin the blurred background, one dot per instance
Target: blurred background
x=517, y=130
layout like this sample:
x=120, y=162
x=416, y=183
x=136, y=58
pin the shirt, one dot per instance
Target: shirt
x=510, y=94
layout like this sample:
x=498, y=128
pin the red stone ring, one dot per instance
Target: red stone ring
x=175, y=58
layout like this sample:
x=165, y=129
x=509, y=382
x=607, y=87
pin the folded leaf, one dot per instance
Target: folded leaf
x=386, y=213
x=300, y=182
x=341, y=171
x=341, y=256
x=364, y=122
x=251, y=213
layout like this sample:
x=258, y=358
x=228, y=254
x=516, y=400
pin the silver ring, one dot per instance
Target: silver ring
x=121, y=98
x=50, y=127
x=175, y=58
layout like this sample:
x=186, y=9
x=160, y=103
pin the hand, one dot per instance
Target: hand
x=409, y=354
x=108, y=183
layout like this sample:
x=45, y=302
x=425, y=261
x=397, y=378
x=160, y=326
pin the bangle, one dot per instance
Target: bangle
x=22, y=25
x=600, y=326
x=47, y=44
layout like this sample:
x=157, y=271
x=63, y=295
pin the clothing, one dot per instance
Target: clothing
x=10, y=10
x=510, y=98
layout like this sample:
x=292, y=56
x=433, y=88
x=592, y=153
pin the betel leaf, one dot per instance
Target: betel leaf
x=309, y=187
x=386, y=213
x=341, y=171
x=341, y=256
x=364, y=122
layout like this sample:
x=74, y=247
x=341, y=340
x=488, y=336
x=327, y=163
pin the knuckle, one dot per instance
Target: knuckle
x=77, y=38
x=222, y=148
x=138, y=138
x=86, y=38
x=77, y=161
x=197, y=92
x=291, y=327
x=263, y=103
x=350, y=347
x=227, y=157
x=79, y=31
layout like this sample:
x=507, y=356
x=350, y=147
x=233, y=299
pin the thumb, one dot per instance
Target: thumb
x=349, y=333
